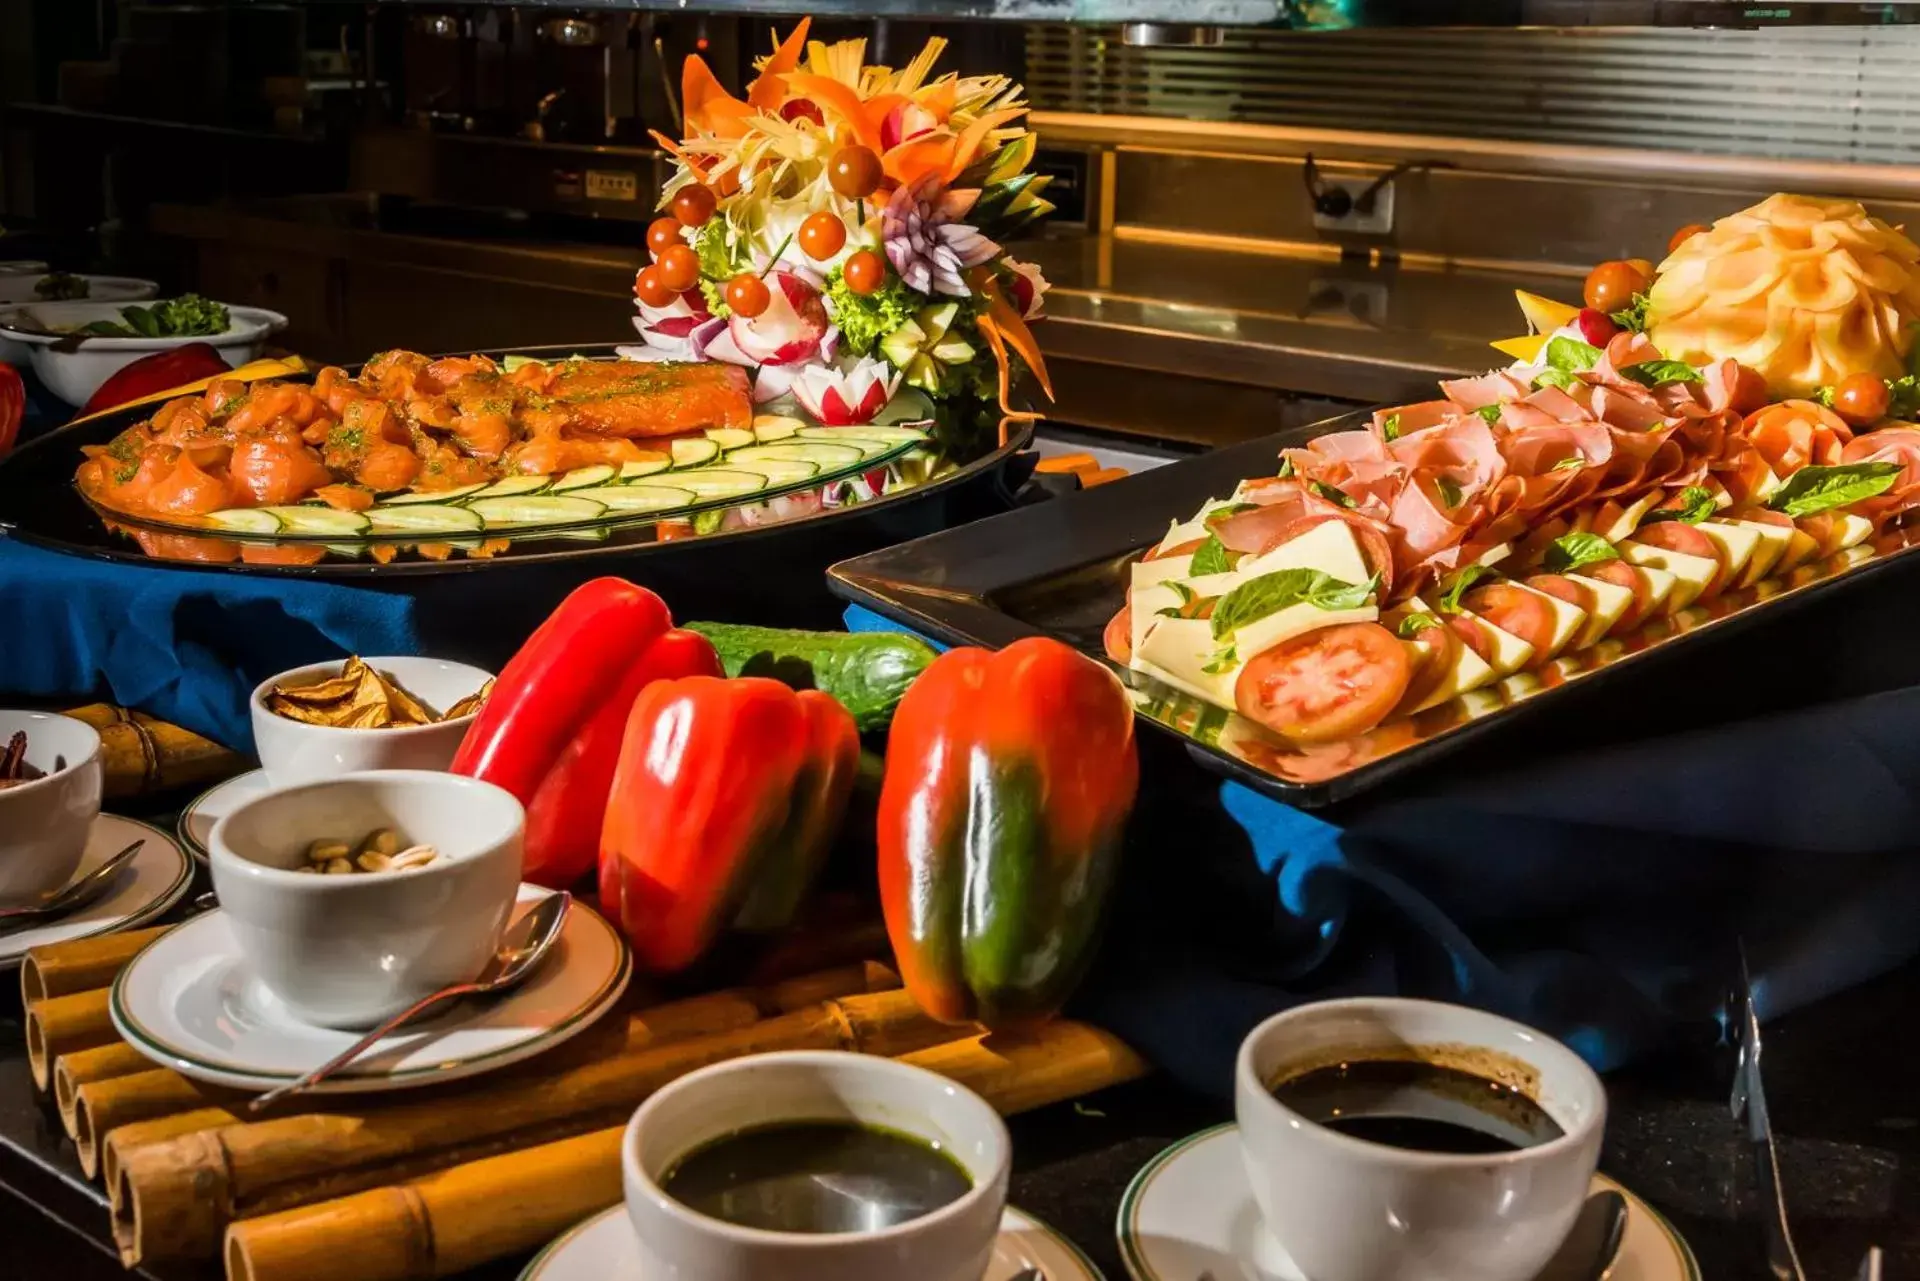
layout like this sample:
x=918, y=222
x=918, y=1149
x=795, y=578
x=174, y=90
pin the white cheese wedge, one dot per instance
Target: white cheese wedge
x=1177, y=649
x=1610, y=602
x=1145, y=573
x=1615, y=522
x=1494, y=555
x=1214, y=584
x=1660, y=585
x=1849, y=530
x=1146, y=604
x=1507, y=652
x=1328, y=547
x=1568, y=620
x=1284, y=624
x=1801, y=548
x=1692, y=573
x=1767, y=488
x=1773, y=545
x=1469, y=672
x=1186, y=532
x=1736, y=543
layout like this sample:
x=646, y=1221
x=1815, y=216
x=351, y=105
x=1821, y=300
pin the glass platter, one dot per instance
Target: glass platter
x=39, y=504
x=1061, y=569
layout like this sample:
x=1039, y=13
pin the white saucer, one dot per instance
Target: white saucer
x=602, y=1249
x=188, y=1001
x=159, y=874
x=197, y=820
x=1189, y=1213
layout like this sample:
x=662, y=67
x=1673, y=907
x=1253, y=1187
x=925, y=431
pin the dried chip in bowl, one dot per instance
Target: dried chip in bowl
x=470, y=704
x=361, y=697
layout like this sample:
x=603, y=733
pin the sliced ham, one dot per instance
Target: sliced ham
x=1472, y=394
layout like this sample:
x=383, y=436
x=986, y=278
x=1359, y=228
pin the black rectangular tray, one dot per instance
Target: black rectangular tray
x=1061, y=569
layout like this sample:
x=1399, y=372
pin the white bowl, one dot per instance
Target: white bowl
x=294, y=752
x=44, y=824
x=951, y=1243
x=75, y=375
x=350, y=950
x=19, y=288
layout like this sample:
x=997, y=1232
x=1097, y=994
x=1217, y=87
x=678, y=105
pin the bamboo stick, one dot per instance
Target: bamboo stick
x=64, y=1025
x=172, y=1199
x=83, y=1067
x=140, y=753
x=447, y=1222
x=101, y=1107
x=161, y=1128
x=61, y=969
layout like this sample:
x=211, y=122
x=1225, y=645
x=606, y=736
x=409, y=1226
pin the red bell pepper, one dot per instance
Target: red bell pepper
x=550, y=730
x=162, y=371
x=728, y=796
x=1009, y=779
x=13, y=406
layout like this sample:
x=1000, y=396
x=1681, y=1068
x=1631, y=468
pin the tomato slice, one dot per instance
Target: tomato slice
x=1678, y=536
x=1187, y=548
x=1473, y=636
x=1621, y=574
x=1118, y=638
x=1433, y=651
x=1327, y=684
x=1560, y=587
x=1515, y=611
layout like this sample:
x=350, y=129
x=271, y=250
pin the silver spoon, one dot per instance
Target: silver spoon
x=75, y=895
x=1590, y=1247
x=526, y=943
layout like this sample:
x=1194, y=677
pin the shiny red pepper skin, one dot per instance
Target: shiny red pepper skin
x=1009, y=779
x=728, y=796
x=550, y=730
x=162, y=371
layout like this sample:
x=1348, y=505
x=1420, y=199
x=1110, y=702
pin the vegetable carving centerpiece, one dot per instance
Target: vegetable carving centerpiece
x=838, y=233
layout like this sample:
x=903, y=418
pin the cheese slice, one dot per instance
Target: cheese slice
x=1145, y=573
x=1507, y=652
x=1329, y=547
x=1767, y=488
x=1610, y=602
x=1736, y=544
x=1615, y=522
x=1494, y=555
x=1801, y=548
x=1568, y=620
x=1285, y=624
x=1660, y=585
x=1185, y=532
x=1849, y=530
x=1774, y=540
x=1177, y=649
x=1469, y=672
x=1146, y=604
x=1693, y=573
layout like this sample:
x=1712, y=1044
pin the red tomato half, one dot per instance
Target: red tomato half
x=1515, y=611
x=1118, y=637
x=1678, y=536
x=1472, y=635
x=1621, y=574
x=1560, y=587
x=1328, y=684
x=1433, y=651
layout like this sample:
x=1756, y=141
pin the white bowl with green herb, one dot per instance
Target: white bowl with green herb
x=60, y=286
x=76, y=346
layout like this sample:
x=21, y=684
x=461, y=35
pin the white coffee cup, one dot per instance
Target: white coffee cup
x=293, y=751
x=44, y=824
x=1346, y=1209
x=349, y=950
x=951, y=1243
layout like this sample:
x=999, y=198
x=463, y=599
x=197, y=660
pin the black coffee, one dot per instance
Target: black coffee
x=1421, y=1106
x=817, y=1176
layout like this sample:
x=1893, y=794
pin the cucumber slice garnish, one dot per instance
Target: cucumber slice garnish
x=423, y=518
x=408, y=496
x=768, y=428
x=538, y=509
x=719, y=482
x=639, y=498
x=778, y=471
x=647, y=467
x=909, y=405
x=822, y=455
x=692, y=453
x=730, y=437
x=245, y=520
x=868, y=431
x=328, y=522
x=513, y=487
x=584, y=478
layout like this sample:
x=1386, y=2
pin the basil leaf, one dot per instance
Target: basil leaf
x=1571, y=355
x=143, y=320
x=1223, y=660
x=1448, y=490
x=1390, y=426
x=1490, y=413
x=1456, y=585
x=1571, y=551
x=1554, y=378
x=1184, y=592
x=1632, y=317
x=1813, y=490
x=1903, y=397
x=1413, y=624
x=1211, y=558
x=1286, y=468
x=1331, y=494
x=1270, y=593
x=1658, y=373
x=1569, y=463
x=1823, y=397
x=1695, y=505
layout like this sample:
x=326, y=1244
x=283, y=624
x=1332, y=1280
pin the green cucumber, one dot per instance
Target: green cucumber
x=329, y=522
x=584, y=478
x=868, y=672
x=827, y=458
x=537, y=509
x=778, y=471
x=768, y=428
x=245, y=520
x=513, y=487
x=407, y=496
x=730, y=437
x=423, y=518
x=909, y=405
x=719, y=482
x=871, y=431
x=692, y=453
x=639, y=498
x=634, y=471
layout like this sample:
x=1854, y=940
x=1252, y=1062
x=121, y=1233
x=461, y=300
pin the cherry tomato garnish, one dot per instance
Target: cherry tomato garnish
x=1685, y=234
x=822, y=235
x=679, y=267
x=802, y=109
x=662, y=234
x=865, y=271
x=1861, y=399
x=693, y=204
x=1612, y=285
x=855, y=172
x=1643, y=266
x=650, y=289
x=748, y=295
